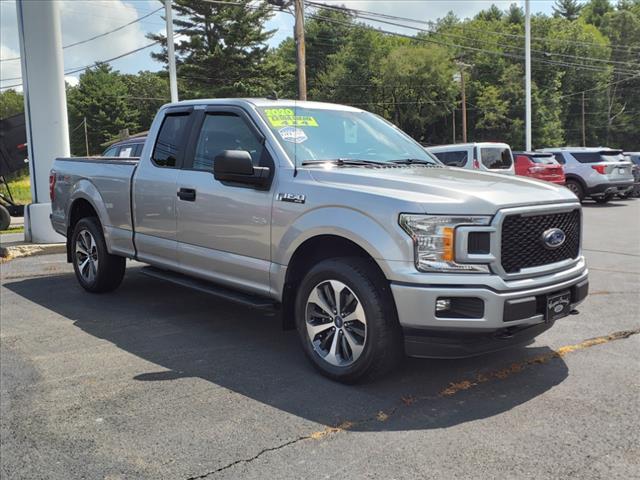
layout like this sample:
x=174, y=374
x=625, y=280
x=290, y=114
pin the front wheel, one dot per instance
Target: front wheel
x=96, y=269
x=346, y=320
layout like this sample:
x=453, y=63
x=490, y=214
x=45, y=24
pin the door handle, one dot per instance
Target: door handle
x=187, y=194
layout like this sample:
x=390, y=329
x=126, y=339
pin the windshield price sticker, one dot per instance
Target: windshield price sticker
x=285, y=117
x=292, y=134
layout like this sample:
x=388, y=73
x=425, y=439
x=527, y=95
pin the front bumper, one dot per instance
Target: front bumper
x=509, y=317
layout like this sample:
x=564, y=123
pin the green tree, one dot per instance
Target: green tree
x=567, y=9
x=102, y=97
x=224, y=50
x=147, y=91
x=11, y=103
x=595, y=10
x=418, y=83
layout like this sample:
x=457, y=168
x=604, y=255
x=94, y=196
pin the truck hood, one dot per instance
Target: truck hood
x=445, y=189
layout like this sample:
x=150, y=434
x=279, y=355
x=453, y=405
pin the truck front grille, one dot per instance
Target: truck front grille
x=522, y=243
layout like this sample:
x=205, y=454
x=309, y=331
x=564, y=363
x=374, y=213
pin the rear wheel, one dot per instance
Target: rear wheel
x=97, y=271
x=346, y=320
x=5, y=218
x=575, y=188
x=603, y=199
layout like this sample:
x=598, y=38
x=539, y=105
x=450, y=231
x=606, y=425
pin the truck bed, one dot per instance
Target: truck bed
x=106, y=184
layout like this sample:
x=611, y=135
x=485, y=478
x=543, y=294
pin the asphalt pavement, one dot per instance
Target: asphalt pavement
x=156, y=381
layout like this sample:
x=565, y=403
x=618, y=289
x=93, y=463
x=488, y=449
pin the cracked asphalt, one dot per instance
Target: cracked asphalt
x=155, y=381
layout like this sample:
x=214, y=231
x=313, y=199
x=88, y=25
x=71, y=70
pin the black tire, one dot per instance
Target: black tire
x=603, y=199
x=382, y=345
x=576, y=188
x=109, y=269
x=5, y=218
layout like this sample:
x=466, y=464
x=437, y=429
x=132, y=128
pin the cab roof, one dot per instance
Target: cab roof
x=264, y=102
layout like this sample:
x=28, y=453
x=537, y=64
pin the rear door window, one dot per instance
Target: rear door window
x=496, y=158
x=595, y=157
x=170, y=139
x=453, y=159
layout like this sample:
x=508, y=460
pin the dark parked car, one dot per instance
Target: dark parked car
x=540, y=165
x=634, y=158
x=131, y=147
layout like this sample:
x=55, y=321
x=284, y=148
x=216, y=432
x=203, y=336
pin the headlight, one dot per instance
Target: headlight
x=434, y=241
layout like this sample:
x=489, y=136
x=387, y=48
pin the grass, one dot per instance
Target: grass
x=20, y=188
x=19, y=229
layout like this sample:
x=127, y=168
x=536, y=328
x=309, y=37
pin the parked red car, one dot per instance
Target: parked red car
x=540, y=165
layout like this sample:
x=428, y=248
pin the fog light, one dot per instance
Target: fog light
x=443, y=304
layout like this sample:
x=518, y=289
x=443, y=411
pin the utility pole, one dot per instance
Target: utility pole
x=464, y=105
x=527, y=67
x=453, y=113
x=584, y=134
x=86, y=137
x=300, y=50
x=171, y=55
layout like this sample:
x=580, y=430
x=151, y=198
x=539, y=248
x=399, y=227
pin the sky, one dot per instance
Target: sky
x=82, y=19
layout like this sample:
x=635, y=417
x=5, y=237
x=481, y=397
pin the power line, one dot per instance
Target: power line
x=434, y=24
x=95, y=36
x=490, y=52
x=85, y=67
x=366, y=17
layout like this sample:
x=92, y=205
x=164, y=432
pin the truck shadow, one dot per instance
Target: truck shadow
x=190, y=334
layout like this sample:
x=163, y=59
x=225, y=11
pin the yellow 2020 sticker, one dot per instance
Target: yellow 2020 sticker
x=286, y=117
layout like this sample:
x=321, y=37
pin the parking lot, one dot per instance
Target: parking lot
x=156, y=381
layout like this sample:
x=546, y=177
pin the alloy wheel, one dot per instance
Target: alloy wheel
x=87, y=256
x=336, y=323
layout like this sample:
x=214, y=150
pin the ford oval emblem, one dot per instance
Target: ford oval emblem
x=553, y=238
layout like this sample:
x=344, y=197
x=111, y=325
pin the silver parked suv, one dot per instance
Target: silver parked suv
x=599, y=173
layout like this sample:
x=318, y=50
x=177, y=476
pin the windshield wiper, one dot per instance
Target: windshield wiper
x=413, y=161
x=343, y=162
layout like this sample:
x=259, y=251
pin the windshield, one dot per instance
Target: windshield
x=316, y=134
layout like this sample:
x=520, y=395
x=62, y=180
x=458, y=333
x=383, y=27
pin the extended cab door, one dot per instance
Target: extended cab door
x=224, y=229
x=155, y=190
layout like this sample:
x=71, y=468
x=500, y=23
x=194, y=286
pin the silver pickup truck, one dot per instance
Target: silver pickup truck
x=368, y=245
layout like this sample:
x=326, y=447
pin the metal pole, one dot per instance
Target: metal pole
x=464, y=106
x=584, y=131
x=171, y=55
x=86, y=137
x=527, y=55
x=300, y=50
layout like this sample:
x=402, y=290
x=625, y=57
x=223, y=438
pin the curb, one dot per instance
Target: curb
x=9, y=252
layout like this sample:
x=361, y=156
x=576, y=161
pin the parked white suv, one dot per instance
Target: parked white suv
x=596, y=172
x=484, y=156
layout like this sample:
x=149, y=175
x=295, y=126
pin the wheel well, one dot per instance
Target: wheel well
x=577, y=179
x=310, y=253
x=80, y=209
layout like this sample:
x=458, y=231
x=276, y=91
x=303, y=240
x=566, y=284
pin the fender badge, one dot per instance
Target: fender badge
x=292, y=197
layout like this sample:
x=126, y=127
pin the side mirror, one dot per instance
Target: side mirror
x=235, y=166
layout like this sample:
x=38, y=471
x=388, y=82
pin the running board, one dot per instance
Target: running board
x=204, y=286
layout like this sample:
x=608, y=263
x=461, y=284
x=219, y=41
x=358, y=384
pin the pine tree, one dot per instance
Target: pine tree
x=569, y=9
x=224, y=48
